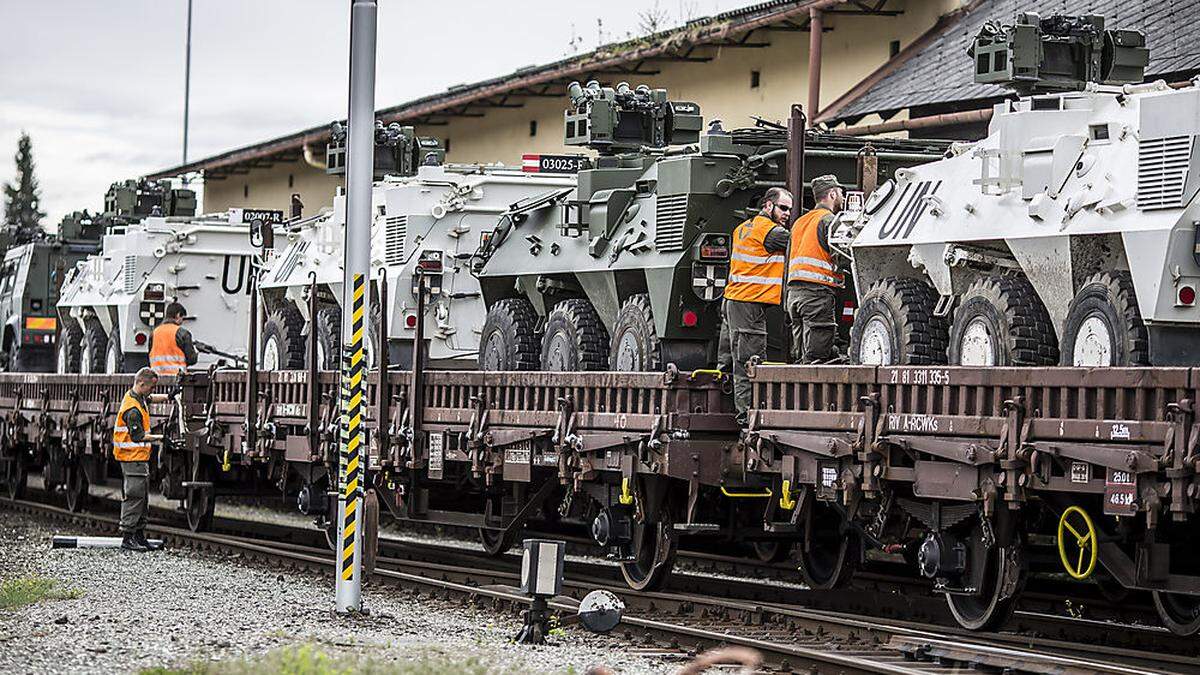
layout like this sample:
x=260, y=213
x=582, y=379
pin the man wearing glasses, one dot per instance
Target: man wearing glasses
x=756, y=269
x=813, y=276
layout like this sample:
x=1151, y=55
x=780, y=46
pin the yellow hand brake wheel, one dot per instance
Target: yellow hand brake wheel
x=1077, y=543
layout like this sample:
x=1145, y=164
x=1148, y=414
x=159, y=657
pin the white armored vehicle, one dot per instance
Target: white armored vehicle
x=429, y=215
x=1069, y=235
x=110, y=303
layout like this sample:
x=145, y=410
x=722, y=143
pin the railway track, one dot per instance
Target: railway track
x=679, y=622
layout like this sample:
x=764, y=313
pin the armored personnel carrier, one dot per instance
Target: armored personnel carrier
x=110, y=302
x=427, y=214
x=29, y=286
x=1068, y=235
x=626, y=271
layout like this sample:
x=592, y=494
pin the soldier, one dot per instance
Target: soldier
x=813, y=276
x=756, y=269
x=171, y=346
x=131, y=447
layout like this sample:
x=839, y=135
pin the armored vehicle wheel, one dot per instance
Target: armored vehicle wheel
x=283, y=340
x=15, y=475
x=1104, y=326
x=1178, y=612
x=76, y=487
x=827, y=554
x=329, y=338
x=895, y=325
x=635, y=344
x=654, y=548
x=574, y=338
x=1001, y=322
x=69, y=349
x=1003, y=577
x=114, y=357
x=93, y=349
x=509, y=338
x=495, y=542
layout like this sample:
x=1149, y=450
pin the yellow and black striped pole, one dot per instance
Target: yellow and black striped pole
x=360, y=169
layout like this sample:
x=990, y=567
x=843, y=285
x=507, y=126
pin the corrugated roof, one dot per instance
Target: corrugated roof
x=941, y=71
x=676, y=43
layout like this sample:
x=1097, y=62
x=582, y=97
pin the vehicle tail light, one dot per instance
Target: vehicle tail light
x=848, y=311
x=430, y=262
x=139, y=339
x=410, y=321
x=714, y=247
x=41, y=323
x=154, y=292
x=1186, y=296
x=690, y=318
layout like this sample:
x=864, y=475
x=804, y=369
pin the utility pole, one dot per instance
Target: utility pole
x=187, y=84
x=360, y=169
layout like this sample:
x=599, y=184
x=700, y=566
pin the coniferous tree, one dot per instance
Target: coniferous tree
x=22, y=218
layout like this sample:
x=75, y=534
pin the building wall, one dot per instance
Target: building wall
x=853, y=46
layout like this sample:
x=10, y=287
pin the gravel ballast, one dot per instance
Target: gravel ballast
x=177, y=607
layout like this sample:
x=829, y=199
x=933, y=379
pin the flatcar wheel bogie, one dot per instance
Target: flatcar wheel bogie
x=76, y=486
x=772, y=551
x=1178, y=612
x=199, y=504
x=828, y=555
x=15, y=475
x=331, y=534
x=993, y=602
x=495, y=542
x=654, y=548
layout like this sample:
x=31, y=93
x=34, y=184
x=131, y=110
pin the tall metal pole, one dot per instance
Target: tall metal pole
x=187, y=84
x=816, y=28
x=360, y=169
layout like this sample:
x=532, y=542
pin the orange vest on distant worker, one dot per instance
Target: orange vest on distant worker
x=755, y=275
x=808, y=261
x=124, y=447
x=166, y=358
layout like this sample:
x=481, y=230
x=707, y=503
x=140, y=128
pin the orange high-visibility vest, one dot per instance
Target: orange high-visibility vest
x=166, y=358
x=808, y=261
x=755, y=275
x=124, y=447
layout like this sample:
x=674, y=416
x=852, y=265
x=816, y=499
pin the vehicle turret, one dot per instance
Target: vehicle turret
x=623, y=119
x=398, y=150
x=131, y=200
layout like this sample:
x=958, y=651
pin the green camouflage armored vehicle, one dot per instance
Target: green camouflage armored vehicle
x=626, y=271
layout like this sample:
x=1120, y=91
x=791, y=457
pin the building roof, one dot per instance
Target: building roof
x=938, y=71
x=733, y=29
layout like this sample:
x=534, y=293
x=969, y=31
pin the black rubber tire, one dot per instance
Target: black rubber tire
x=574, y=338
x=93, y=348
x=1108, y=296
x=66, y=359
x=285, y=327
x=329, y=338
x=114, y=356
x=509, y=340
x=635, y=346
x=1014, y=316
x=1179, y=613
x=905, y=307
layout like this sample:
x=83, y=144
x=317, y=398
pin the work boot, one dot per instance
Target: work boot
x=130, y=543
x=140, y=536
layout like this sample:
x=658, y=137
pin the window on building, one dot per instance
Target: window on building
x=533, y=127
x=245, y=191
x=446, y=145
x=291, y=180
x=755, y=76
x=893, y=48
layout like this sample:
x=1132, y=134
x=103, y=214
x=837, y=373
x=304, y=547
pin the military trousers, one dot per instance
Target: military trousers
x=812, y=309
x=135, y=503
x=743, y=336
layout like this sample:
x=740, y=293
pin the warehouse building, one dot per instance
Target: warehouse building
x=751, y=61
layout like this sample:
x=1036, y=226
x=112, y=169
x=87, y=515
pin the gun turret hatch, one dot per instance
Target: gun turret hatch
x=622, y=119
x=399, y=151
x=1061, y=53
x=131, y=200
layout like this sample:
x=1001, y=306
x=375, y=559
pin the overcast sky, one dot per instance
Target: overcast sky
x=98, y=84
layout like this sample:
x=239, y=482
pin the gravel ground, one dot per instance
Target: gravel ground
x=179, y=607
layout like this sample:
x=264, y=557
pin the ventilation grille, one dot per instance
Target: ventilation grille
x=1162, y=171
x=396, y=230
x=130, y=270
x=672, y=215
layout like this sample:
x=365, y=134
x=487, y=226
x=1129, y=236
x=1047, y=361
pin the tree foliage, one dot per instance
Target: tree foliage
x=22, y=217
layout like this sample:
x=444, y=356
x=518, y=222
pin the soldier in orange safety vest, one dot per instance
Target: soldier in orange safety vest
x=813, y=276
x=756, y=267
x=171, y=347
x=131, y=441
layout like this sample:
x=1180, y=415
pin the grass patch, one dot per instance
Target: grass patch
x=28, y=590
x=309, y=659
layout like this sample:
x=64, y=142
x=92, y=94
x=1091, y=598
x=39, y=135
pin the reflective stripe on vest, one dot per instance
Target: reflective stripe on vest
x=125, y=449
x=166, y=358
x=808, y=261
x=755, y=274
